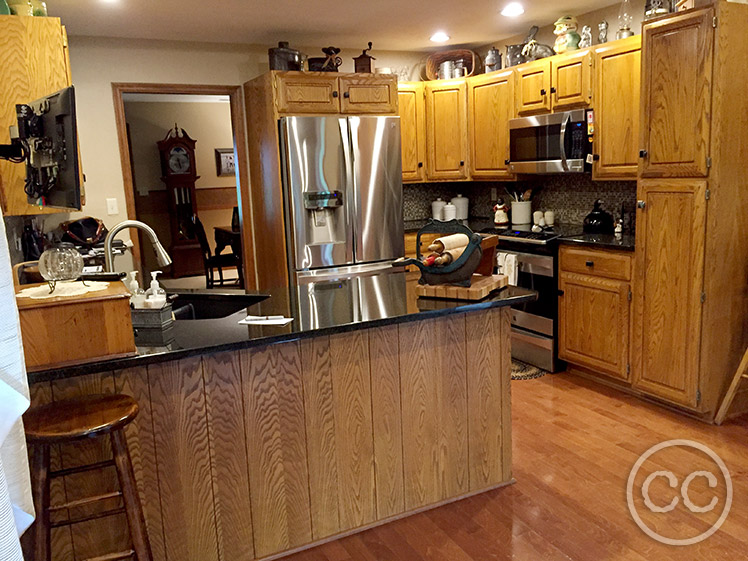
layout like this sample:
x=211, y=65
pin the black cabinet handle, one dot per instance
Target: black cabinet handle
x=507, y=162
x=560, y=292
x=596, y=157
x=642, y=153
x=590, y=263
x=553, y=90
x=542, y=92
x=334, y=94
x=346, y=95
x=420, y=164
x=462, y=162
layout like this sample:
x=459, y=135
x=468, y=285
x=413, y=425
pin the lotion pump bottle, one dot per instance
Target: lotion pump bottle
x=137, y=296
x=155, y=295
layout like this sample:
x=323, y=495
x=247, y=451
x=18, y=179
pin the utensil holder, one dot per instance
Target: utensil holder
x=521, y=212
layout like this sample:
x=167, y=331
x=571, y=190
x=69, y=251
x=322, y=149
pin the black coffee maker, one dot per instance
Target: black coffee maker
x=598, y=221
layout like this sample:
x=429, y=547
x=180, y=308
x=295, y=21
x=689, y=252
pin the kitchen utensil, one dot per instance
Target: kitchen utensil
x=436, y=208
x=461, y=204
x=598, y=221
x=527, y=195
x=512, y=195
x=521, y=212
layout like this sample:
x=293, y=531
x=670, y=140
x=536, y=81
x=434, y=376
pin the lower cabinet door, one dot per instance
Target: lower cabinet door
x=594, y=323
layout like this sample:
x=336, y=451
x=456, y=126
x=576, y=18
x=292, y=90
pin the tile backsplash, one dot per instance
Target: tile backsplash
x=571, y=197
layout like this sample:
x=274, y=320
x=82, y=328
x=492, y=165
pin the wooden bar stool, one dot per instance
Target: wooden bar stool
x=73, y=419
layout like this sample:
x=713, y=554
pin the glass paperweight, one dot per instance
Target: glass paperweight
x=60, y=263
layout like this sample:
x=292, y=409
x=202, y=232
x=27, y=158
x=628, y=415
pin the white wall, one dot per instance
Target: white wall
x=96, y=62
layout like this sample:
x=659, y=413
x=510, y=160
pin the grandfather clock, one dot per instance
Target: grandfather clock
x=178, y=172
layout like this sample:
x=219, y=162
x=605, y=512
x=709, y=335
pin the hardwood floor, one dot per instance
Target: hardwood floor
x=575, y=443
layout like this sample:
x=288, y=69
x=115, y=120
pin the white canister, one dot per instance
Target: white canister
x=550, y=217
x=449, y=212
x=461, y=204
x=521, y=212
x=537, y=216
x=436, y=209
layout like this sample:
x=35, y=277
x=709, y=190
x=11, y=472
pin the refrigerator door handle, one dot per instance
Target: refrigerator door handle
x=350, y=146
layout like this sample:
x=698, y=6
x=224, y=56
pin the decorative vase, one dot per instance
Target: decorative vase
x=4, y=8
x=20, y=7
x=61, y=263
x=39, y=8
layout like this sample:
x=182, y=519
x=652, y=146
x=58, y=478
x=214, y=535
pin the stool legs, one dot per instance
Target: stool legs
x=133, y=509
x=42, y=550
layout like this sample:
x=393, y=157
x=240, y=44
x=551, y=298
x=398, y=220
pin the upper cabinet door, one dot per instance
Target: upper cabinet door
x=617, y=92
x=490, y=107
x=534, y=87
x=301, y=92
x=368, y=93
x=446, y=129
x=412, y=130
x=669, y=273
x=676, y=96
x=571, y=80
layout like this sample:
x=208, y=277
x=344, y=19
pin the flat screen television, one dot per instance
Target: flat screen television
x=47, y=139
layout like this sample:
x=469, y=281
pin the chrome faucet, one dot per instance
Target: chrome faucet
x=161, y=256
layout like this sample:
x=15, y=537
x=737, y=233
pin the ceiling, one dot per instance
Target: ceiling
x=389, y=24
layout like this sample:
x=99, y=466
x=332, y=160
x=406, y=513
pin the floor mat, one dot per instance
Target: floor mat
x=523, y=371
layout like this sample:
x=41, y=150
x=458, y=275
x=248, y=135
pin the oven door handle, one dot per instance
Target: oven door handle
x=562, y=141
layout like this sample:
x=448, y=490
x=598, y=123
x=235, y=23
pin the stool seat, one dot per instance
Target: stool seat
x=80, y=417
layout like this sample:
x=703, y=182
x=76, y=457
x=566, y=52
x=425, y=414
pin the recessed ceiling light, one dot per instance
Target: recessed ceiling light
x=512, y=10
x=440, y=37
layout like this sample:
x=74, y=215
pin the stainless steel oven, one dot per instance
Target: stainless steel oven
x=553, y=143
x=534, y=323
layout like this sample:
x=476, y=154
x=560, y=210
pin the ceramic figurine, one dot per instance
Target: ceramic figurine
x=586, y=40
x=603, y=35
x=567, y=38
x=501, y=213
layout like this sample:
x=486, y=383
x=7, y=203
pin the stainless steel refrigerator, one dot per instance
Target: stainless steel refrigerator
x=342, y=194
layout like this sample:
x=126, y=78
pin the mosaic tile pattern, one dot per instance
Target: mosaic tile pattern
x=571, y=197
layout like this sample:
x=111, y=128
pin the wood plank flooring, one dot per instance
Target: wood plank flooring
x=575, y=443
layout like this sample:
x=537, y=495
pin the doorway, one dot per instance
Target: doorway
x=211, y=201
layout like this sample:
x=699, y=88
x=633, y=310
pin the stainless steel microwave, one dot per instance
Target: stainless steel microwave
x=553, y=143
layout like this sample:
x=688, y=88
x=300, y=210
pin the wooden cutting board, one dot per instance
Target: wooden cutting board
x=479, y=289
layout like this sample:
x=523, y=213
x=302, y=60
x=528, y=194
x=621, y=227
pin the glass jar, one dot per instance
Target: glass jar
x=61, y=263
x=39, y=8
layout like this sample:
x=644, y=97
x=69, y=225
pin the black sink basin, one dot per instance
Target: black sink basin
x=189, y=304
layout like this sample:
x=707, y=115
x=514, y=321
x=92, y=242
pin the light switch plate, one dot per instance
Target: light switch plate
x=494, y=194
x=111, y=207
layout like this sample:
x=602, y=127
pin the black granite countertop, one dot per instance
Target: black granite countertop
x=319, y=308
x=623, y=242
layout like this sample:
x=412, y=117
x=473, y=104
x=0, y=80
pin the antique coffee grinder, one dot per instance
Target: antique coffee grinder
x=362, y=62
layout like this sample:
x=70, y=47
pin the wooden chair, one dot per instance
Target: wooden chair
x=741, y=375
x=75, y=419
x=212, y=262
x=26, y=273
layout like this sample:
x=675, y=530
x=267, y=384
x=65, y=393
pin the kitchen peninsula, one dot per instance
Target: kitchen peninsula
x=254, y=441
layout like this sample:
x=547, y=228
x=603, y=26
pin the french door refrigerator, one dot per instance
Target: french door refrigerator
x=342, y=195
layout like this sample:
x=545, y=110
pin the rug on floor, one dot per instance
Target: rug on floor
x=523, y=371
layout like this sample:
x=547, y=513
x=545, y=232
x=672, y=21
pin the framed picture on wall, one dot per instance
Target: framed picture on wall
x=224, y=161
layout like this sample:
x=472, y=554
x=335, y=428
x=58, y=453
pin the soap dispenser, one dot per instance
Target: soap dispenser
x=137, y=295
x=155, y=295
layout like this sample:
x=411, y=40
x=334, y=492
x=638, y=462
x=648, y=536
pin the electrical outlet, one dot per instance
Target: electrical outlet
x=494, y=194
x=111, y=207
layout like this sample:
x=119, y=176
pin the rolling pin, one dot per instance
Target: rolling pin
x=445, y=243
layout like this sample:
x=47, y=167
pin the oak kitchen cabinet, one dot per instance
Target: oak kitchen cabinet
x=555, y=83
x=689, y=284
x=490, y=107
x=446, y=129
x=35, y=63
x=594, y=309
x=411, y=106
x=320, y=92
x=617, y=84
x=677, y=95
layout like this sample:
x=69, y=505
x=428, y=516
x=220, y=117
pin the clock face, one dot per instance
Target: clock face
x=179, y=160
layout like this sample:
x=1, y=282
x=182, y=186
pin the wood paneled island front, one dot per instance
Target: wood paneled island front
x=252, y=453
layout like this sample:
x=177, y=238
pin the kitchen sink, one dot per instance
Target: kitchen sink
x=191, y=304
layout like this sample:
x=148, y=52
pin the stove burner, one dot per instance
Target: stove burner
x=519, y=236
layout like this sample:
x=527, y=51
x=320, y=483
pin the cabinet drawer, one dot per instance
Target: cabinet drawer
x=610, y=264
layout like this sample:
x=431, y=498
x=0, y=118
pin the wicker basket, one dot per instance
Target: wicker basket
x=469, y=58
